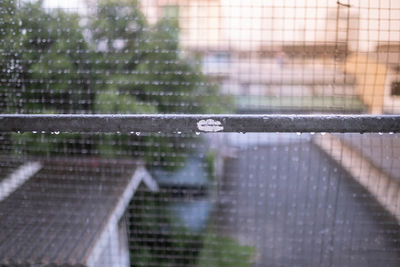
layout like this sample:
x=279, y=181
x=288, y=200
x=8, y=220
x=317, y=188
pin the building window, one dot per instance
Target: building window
x=219, y=60
x=395, y=88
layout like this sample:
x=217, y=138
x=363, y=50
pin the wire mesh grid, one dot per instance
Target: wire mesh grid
x=151, y=188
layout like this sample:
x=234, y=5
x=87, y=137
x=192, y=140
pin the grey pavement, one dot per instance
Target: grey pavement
x=383, y=150
x=299, y=208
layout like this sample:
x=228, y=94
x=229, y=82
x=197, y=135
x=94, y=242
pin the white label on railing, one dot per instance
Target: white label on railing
x=209, y=125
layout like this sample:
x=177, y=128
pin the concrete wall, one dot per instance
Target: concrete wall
x=383, y=187
x=371, y=78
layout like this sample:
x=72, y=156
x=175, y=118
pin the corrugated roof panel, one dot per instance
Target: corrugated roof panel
x=56, y=217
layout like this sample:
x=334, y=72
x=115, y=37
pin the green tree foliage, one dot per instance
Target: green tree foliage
x=225, y=252
x=145, y=64
x=144, y=71
x=10, y=67
x=153, y=227
x=54, y=61
x=45, y=67
x=45, y=61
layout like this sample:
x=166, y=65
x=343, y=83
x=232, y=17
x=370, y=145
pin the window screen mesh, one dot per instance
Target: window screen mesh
x=196, y=199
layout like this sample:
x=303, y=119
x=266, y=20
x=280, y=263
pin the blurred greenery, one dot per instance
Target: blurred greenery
x=114, y=61
x=54, y=61
x=210, y=162
x=145, y=62
x=158, y=239
x=38, y=144
x=224, y=252
x=306, y=103
x=45, y=61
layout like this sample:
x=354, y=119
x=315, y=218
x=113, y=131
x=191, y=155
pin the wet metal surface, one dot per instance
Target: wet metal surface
x=199, y=123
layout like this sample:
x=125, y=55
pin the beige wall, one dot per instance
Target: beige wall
x=201, y=25
x=379, y=22
x=199, y=21
x=371, y=77
x=251, y=24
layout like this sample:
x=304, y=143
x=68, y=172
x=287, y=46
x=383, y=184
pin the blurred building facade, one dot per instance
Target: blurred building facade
x=257, y=25
x=378, y=79
x=291, y=53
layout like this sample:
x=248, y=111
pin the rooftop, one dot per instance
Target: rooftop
x=57, y=216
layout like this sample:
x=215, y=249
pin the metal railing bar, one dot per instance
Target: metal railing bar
x=170, y=123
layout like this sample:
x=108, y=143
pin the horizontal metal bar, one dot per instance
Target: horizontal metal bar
x=170, y=123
